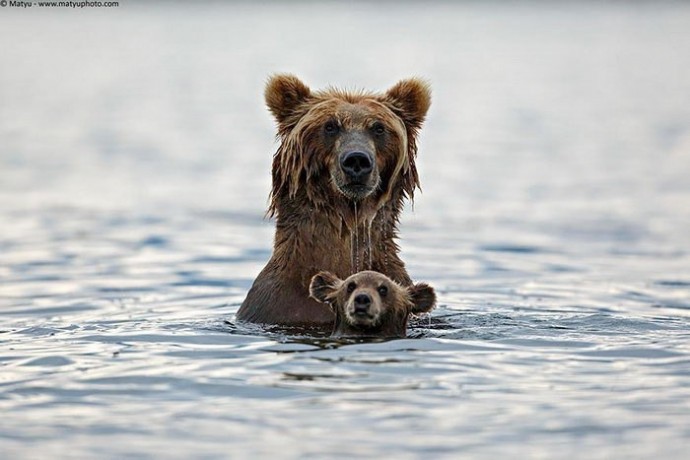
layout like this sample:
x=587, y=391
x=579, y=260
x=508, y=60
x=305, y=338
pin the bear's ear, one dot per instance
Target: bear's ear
x=410, y=99
x=324, y=286
x=423, y=298
x=284, y=93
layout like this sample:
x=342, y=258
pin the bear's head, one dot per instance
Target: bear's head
x=349, y=144
x=370, y=304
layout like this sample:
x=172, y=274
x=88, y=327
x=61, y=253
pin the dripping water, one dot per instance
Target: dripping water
x=369, y=247
x=367, y=250
x=384, y=236
x=354, y=242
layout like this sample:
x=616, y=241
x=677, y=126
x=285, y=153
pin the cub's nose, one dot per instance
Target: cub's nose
x=356, y=165
x=362, y=303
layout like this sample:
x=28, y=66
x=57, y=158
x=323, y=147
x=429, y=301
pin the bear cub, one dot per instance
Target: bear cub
x=369, y=304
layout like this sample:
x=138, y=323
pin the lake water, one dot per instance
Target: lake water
x=554, y=223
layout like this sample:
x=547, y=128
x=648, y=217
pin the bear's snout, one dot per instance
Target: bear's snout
x=363, y=310
x=362, y=302
x=357, y=165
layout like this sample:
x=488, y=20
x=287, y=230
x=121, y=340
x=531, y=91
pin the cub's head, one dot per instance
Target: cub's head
x=371, y=304
x=349, y=144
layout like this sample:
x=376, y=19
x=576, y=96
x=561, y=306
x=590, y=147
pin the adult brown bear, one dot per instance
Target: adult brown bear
x=345, y=164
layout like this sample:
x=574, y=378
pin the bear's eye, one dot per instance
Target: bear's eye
x=383, y=290
x=351, y=287
x=331, y=128
x=379, y=129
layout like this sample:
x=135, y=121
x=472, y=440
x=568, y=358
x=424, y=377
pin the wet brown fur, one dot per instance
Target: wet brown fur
x=390, y=310
x=314, y=220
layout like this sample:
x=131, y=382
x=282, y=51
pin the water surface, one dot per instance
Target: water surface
x=554, y=219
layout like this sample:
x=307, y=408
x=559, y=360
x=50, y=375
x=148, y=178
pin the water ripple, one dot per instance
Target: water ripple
x=553, y=225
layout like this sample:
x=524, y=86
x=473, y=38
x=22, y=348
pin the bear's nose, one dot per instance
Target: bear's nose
x=356, y=164
x=362, y=302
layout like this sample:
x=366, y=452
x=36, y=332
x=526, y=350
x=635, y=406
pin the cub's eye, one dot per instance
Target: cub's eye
x=383, y=290
x=379, y=129
x=351, y=287
x=331, y=128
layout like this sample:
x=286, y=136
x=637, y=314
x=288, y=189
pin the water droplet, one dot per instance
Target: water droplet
x=354, y=242
x=369, y=246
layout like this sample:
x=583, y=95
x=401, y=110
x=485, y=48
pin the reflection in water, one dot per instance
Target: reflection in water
x=134, y=170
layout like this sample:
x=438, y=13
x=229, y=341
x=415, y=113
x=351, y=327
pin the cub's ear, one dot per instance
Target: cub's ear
x=284, y=93
x=423, y=298
x=410, y=99
x=324, y=286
